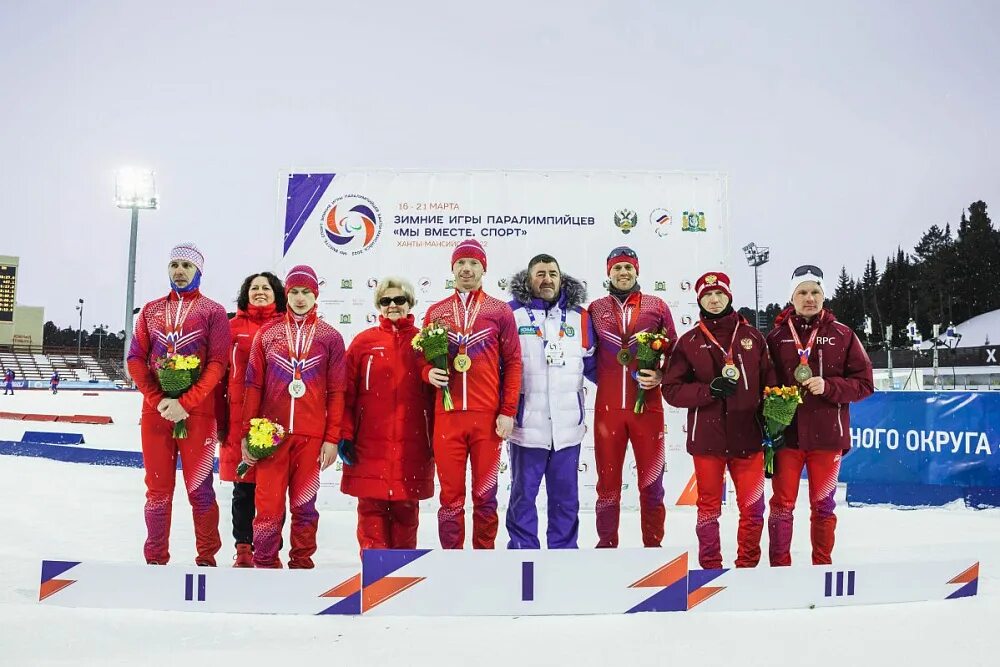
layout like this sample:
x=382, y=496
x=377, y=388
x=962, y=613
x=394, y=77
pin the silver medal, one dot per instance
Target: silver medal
x=297, y=388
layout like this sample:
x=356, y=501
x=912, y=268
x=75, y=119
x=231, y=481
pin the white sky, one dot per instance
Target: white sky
x=846, y=128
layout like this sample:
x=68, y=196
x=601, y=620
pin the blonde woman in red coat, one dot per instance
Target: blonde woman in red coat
x=385, y=438
x=261, y=299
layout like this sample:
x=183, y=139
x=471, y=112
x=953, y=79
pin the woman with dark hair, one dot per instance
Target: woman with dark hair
x=261, y=299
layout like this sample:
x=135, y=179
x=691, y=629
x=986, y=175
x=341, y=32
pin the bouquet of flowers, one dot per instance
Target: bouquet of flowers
x=780, y=404
x=176, y=373
x=262, y=441
x=649, y=350
x=432, y=340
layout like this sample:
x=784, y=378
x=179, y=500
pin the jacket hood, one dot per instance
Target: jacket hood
x=572, y=292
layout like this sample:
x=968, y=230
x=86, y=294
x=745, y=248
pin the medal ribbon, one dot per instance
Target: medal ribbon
x=803, y=352
x=470, y=320
x=630, y=322
x=176, y=328
x=297, y=350
x=727, y=354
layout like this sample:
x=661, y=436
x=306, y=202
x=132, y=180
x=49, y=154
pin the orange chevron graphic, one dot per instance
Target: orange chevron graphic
x=345, y=588
x=689, y=496
x=667, y=575
x=387, y=587
x=53, y=586
x=969, y=575
x=698, y=596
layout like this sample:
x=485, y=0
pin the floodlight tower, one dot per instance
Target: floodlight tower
x=134, y=189
x=756, y=257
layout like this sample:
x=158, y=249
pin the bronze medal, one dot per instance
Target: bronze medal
x=462, y=363
x=624, y=357
x=802, y=373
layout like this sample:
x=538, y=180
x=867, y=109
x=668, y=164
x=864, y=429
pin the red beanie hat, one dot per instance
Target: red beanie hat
x=302, y=276
x=623, y=254
x=711, y=281
x=470, y=249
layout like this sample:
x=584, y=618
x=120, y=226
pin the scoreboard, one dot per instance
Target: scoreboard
x=8, y=281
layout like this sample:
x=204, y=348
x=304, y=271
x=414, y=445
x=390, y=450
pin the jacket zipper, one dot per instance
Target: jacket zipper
x=368, y=371
x=625, y=344
x=743, y=368
x=821, y=362
x=840, y=425
x=694, y=429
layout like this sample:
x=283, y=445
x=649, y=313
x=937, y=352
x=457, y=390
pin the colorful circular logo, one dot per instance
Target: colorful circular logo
x=660, y=218
x=351, y=224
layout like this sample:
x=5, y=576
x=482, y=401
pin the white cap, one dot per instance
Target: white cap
x=807, y=273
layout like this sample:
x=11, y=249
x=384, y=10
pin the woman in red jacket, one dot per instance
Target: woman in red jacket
x=261, y=299
x=718, y=371
x=811, y=348
x=388, y=410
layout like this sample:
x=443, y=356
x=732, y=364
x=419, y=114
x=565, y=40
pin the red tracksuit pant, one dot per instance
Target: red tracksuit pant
x=822, y=469
x=159, y=458
x=387, y=524
x=613, y=429
x=748, y=478
x=293, y=470
x=458, y=437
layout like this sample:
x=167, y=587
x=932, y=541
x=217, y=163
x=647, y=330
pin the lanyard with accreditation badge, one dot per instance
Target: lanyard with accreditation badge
x=463, y=362
x=554, y=355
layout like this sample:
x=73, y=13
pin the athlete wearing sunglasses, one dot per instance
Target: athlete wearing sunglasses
x=811, y=348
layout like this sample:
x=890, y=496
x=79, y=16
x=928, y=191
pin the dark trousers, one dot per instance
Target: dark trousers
x=243, y=511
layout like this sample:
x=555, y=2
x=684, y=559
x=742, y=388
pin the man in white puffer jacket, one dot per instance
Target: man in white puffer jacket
x=557, y=348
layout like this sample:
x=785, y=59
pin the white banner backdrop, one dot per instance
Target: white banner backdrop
x=357, y=227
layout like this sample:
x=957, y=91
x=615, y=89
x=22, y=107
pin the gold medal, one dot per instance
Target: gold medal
x=462, y=363
x=802, y=373
x=730, y=372
x=624, y=357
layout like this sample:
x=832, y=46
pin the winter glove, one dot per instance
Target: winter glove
x=347, y=453
x=722, y=387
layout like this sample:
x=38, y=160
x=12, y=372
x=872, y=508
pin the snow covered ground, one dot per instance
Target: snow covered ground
x=79, y=512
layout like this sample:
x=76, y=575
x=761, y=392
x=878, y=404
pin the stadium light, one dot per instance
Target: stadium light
x=757, y=257
x=79, y=331
x=134, y=189
x=101, y=330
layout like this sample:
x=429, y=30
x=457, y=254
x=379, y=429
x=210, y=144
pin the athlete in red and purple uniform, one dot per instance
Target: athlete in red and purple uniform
x=617, y=318
x=182, y=323
x=295, y=377
x=485, y=381
x=811, y=348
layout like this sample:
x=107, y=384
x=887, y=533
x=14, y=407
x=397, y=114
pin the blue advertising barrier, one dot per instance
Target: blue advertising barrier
x=71, y=454
x=924, y=448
